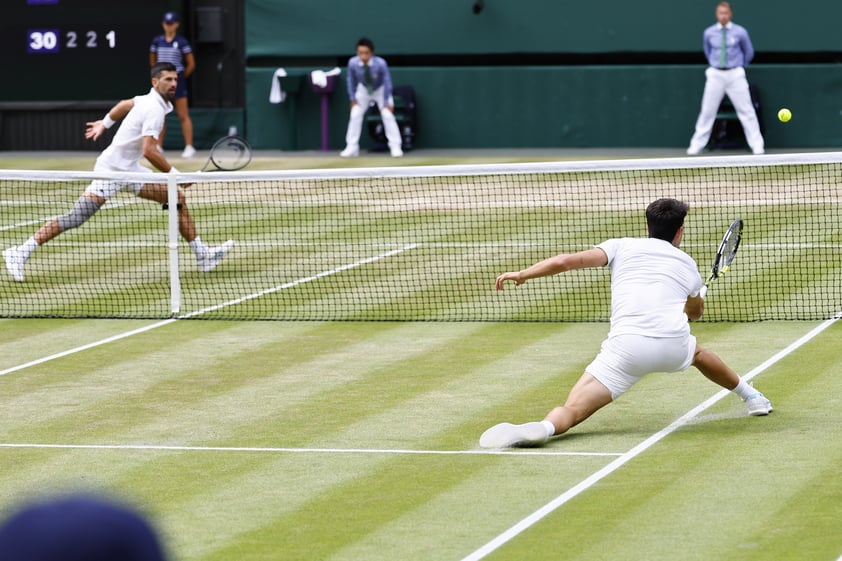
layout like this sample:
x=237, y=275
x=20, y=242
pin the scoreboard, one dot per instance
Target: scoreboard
x=78, y=50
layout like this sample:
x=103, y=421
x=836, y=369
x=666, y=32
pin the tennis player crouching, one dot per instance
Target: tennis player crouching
x=135, y=139
x=654, y=289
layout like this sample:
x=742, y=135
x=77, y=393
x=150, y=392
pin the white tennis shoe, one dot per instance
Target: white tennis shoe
x=507, y=435
x=214, y=256
x=14, y=262
x=396, y=152
x=188, y=152
x=758, y=405
x=350, y=152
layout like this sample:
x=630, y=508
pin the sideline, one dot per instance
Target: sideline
x=591, y=480
x=75, y=350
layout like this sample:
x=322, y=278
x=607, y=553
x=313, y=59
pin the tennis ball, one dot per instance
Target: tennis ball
x=784, y=115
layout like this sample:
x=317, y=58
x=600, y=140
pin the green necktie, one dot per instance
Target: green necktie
x=369, y=85
x=723, y=50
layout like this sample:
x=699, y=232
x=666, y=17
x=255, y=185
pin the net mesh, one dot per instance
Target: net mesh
x=426, y=244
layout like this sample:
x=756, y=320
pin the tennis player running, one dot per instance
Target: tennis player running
x=135, y=139
x=654, y=289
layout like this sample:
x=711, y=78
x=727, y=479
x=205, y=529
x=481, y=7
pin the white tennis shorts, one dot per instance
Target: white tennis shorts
x=107, y=189
x=624, y=359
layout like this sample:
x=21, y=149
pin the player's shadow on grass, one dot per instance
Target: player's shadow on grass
x=721, y=424
x=729, y=422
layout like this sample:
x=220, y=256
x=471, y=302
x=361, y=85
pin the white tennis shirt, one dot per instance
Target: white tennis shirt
x=146, y=118
x=650, y=282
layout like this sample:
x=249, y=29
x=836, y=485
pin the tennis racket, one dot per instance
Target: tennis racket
x=725, y=254
x=229, y=154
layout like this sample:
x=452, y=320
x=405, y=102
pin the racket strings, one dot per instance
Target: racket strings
x=732, y=241
x=230, y=154
x=730, y=249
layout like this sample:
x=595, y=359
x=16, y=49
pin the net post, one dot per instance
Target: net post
x=172, y=243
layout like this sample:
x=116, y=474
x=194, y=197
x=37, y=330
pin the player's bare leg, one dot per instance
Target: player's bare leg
x=715, y=370
x=52, y=228
x=158, y=192
x=17, y=256
x=206, y=257
x=586, y=397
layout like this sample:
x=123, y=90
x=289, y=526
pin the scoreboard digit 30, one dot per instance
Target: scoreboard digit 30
x=78, y=50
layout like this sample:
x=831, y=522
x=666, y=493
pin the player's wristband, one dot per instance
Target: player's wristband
x=107, y=121
x=703, y=292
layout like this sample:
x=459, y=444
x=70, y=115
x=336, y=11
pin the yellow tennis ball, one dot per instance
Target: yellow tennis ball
x=784, y=115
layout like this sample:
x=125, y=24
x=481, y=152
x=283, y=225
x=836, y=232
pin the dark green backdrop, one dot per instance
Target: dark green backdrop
x=632, y=76
x=561, y=107
x=330, y=27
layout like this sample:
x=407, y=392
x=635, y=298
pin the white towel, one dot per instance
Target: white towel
x=319, y=77
x=276, y=94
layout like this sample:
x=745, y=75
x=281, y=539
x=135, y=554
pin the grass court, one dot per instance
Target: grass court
x=347, y=440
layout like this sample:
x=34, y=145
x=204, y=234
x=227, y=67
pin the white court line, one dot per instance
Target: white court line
x=299, y=281
x=591, y=480
x=86, y=347
x=161, y=448
x=204, y=310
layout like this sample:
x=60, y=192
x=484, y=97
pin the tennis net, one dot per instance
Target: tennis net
x=423, y=243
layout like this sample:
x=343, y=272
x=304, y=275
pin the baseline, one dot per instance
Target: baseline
x=165, y=448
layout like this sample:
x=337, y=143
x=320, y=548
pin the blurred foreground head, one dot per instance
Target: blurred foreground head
x=78, y=528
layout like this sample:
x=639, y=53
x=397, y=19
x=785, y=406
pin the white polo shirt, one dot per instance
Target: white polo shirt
x=650, y=282
x=146, y=118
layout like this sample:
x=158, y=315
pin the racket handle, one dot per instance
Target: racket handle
x=703, y=292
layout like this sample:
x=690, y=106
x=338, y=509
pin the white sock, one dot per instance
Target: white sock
x=744, y=390
x=28, y=247
x=549, y=426
x=198, y=247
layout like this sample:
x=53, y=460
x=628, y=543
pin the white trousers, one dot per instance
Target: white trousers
x=355, y=122
x=732, y=83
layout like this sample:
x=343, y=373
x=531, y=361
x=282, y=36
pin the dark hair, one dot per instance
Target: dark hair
x=366, y=42
x=162, y=67
x=664, y=217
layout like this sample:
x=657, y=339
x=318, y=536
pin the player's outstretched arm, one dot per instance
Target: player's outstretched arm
x=559, y=264
x=94, y=129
